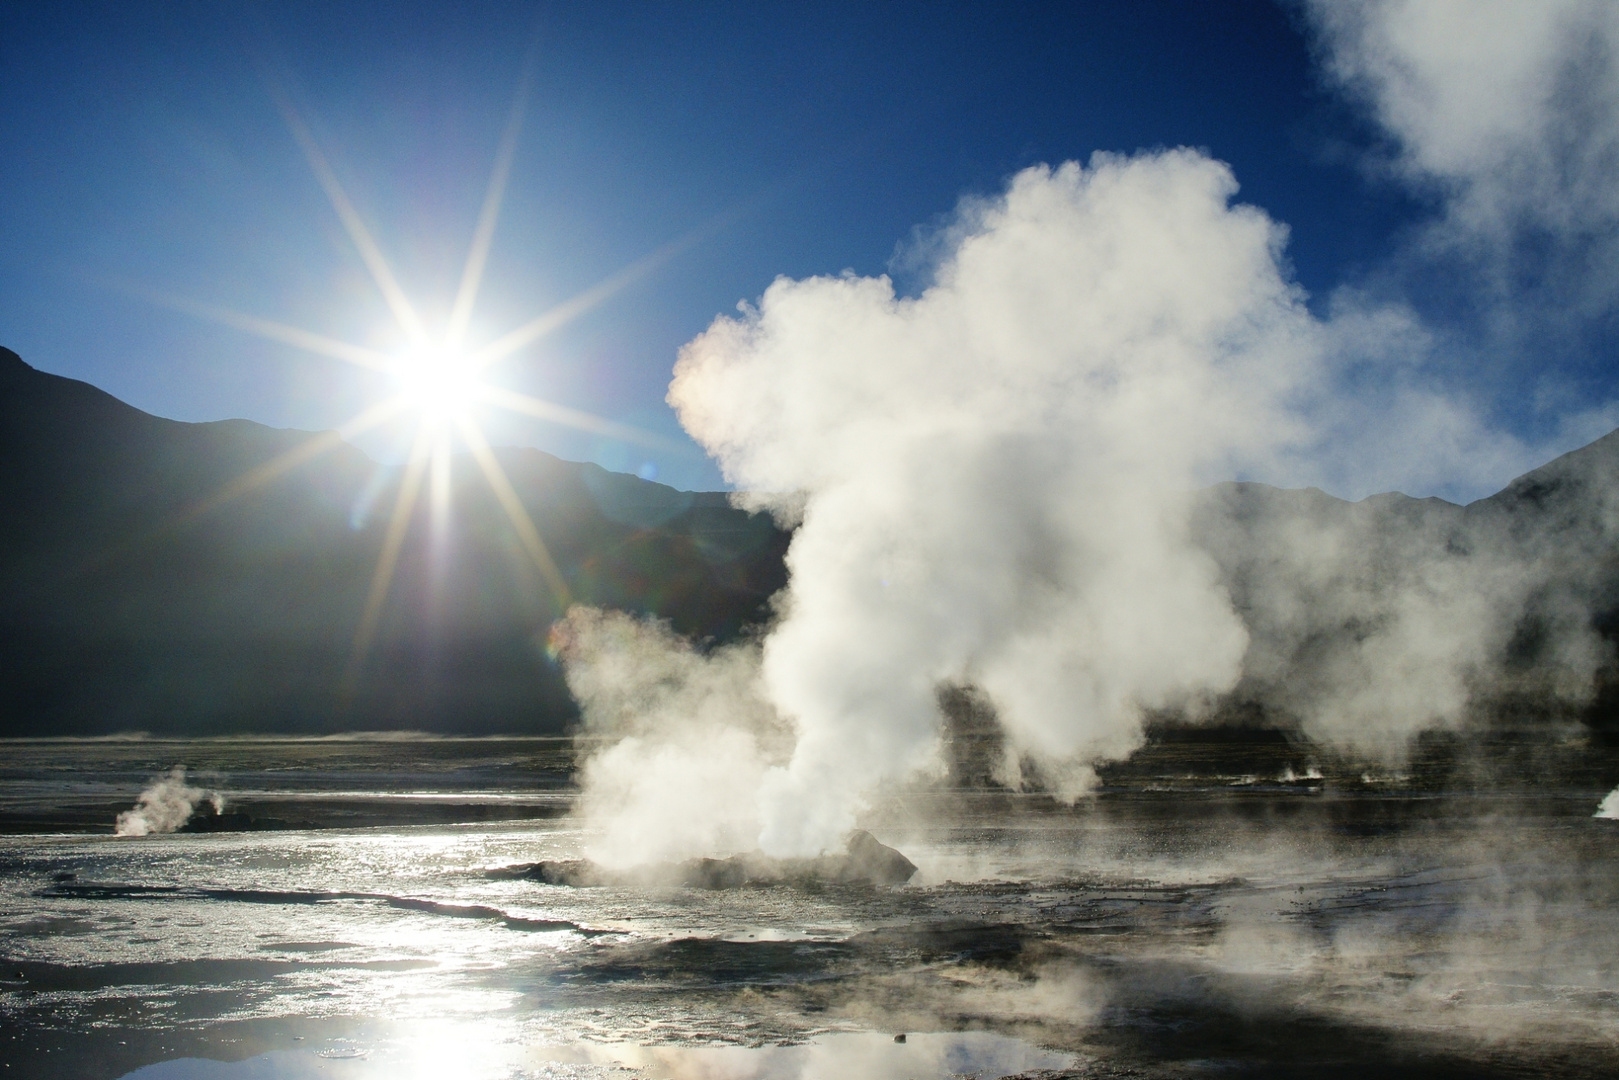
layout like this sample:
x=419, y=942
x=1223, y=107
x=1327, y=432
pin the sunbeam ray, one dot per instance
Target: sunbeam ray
x=579, y=304
x=382, y=576
x=483, y=236
x=575, y=418
x=300, y=454
x=381, y=272
x=266, y=328
x=513, y=506
x=439, y=487
x=305, y=452
x=439, y=495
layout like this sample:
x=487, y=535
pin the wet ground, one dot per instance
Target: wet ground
x=1234, y=929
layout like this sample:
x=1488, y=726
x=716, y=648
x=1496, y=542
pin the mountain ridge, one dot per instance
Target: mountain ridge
x=143, y=592
x=138, y=597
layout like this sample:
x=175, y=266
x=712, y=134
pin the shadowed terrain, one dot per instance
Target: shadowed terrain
x=146, y=586
x=1208, y=932
x=164, y=576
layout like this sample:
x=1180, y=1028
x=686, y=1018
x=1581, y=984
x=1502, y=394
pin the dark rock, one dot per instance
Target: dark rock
x=207, y=818
x=576, y=873
x=871, y=861
x=732, y=873
x=866, y=861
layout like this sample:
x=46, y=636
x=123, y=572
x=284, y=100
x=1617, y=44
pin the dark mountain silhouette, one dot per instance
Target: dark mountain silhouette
x=162, y=576
x=154, y=576
x=1518, y=593
x=1515, y=597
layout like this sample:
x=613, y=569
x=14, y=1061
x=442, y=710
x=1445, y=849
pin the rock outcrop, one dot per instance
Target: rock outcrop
x=865, y=861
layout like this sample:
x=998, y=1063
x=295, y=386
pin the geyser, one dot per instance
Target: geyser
x=1004, y=483
x=990, y=483
x=165, y=805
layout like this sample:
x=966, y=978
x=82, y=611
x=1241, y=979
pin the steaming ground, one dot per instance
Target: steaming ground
x=1181, y=922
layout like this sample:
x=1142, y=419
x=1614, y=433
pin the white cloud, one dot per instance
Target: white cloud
x=1509, y=111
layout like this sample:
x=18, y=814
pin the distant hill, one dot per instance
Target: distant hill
x=1459, y=646
x=1515, y=597
x=147, y=583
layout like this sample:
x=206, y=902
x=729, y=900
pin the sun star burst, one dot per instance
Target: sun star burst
x=436, y=377
x=437, y=381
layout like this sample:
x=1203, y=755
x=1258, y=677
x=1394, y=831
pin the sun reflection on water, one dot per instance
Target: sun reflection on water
x=485, y=1050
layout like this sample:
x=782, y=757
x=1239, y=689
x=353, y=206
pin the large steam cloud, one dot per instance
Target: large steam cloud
x=992, y=483
x=996, y=483
x=1003, y=483
x=994, y=477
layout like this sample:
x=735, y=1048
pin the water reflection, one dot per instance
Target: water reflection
x=1268, y=933
x=466, y=1051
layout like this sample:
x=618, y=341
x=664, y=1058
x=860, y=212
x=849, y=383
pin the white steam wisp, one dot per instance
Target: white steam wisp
x=674, y=743
x=165, y=805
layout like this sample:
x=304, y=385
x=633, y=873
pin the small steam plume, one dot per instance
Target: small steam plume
x=165, y=805
x=674, y=742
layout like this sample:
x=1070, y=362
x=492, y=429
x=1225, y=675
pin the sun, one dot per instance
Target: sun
x=437, y=381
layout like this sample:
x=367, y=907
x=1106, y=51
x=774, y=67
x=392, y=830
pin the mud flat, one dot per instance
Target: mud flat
x=1233, y=928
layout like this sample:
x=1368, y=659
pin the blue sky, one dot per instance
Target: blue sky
x=145, y=155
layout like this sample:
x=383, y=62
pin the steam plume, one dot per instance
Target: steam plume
x=165, y=805
x=995, y=484
x=996, y=490
x=674, y=742
x=995, y=476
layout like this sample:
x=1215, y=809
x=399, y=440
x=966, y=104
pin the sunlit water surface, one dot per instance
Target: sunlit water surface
x=1189, y=933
